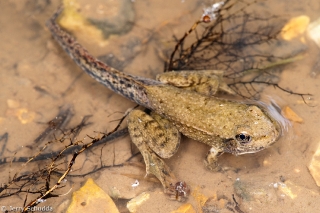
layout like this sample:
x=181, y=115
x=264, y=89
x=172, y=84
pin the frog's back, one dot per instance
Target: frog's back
x=192, y=112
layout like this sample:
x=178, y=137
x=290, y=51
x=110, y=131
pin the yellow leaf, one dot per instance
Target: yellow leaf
x=295, y=27
x=200, y=198
x=185, y=208
x=291, y=115
x=75, y=22
x=134, y=203
x=91, y=198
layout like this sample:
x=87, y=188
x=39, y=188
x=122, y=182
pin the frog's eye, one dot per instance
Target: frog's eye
x=243, y=138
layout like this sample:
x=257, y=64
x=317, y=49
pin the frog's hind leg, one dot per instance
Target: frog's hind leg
x=206, y=82
x=154, y=137
x=158, y=133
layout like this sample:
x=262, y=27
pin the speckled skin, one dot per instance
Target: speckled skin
x=181, y=102
x=214, y=121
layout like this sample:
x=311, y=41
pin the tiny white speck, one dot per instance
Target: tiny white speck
x=135, y=184
x=212, y=11
x=40, y=200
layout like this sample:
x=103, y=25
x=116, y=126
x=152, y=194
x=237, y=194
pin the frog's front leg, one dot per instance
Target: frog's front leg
x=206, y=82
x=156, y=137
x=211, y=161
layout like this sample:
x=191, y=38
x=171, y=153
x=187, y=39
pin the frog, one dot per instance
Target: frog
x=181, y=103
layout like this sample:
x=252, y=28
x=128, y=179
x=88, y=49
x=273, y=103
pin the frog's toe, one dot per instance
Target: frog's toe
x=212, y=166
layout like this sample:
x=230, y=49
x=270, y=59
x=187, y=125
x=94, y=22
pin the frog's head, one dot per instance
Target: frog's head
x=261, y=126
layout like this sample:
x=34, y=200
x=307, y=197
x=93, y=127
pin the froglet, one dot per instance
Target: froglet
x=180, y=102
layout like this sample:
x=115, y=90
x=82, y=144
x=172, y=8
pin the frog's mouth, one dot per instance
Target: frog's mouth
x=236, y=148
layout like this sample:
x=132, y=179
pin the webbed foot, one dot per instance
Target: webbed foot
x=155, y=137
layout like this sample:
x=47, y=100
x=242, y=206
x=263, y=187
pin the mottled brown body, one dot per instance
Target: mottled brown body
x=210, y=120
x=181, y=102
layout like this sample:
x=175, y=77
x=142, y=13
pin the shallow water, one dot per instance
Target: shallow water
x=37, y=78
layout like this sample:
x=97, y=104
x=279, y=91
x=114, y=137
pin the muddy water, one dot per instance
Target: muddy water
x=37, y=78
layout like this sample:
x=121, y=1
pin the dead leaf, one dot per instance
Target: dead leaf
x=185, y=208
x=295, y=28
x=134, y=203
x=75, y=22
x=200, y=198
x=291, y=115
x=91, y=198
